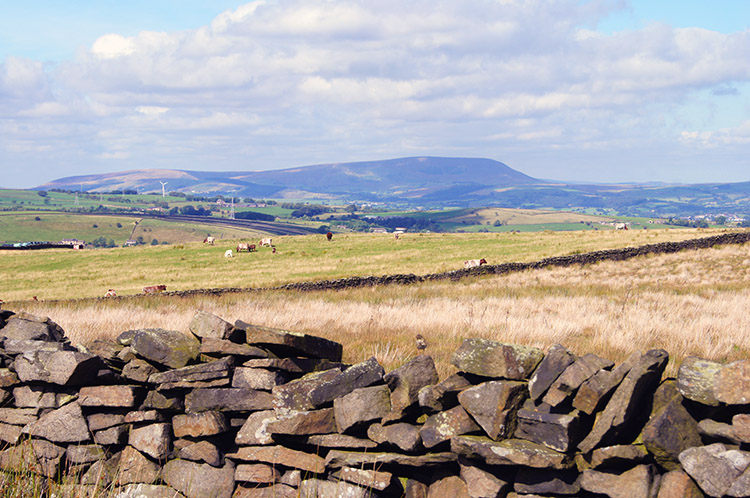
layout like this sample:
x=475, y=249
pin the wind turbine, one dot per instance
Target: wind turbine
x=163, y=193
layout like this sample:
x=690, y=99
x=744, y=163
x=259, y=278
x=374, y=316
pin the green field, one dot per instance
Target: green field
x=64, y=273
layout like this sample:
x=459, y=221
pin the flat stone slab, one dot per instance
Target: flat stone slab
x=279, y=455
x=494, y=404
x=219, y=369
x=494, y=359
x=303, y=423
x=295, y=365
x=211, y=346
x=227, y=399
x=291, y=342
x=404, y=436
x=363, y=405
x=64, y=368
x=258, y=378
x=110, y=396
x=201, y=424
x=338, y=458
x=340, y=441
x=715, y=467
x=25, y=326
x=296, y=394
x=153, y=440
x=194, y=479
x=510, y=452
x=360, y=375
x=255, y=429
x=640, y=481
x=170, y=348
x=208, y=325
x=442, y=426
x=63, y=425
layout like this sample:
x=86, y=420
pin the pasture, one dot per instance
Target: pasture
x=67, y=274
x=689, y=303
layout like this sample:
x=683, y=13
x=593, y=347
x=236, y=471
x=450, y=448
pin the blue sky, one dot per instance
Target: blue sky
x=598, y=90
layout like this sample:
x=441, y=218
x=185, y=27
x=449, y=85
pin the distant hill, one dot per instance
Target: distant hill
x=429, y=182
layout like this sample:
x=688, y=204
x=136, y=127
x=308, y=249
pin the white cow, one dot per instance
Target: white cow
x=621, y=226
x=473, y=263
x=268, y=241
x=209, y=240
x=228, y=254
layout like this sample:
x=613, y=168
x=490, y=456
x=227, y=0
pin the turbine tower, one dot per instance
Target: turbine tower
x=163, y=193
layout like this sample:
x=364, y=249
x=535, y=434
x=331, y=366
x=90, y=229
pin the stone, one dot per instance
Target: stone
x=136, y=468
x=219, y=369
x=623, y=455
x=415, y=489
x=295, y=365
x=201, y=424
x=732, y=383
x=317, y=488
x=112, y=436
x=64, y=368
x=41, y=397
x=280, y=455
x=25, y=326
x=559, y=431
x=639, y=482
x=10, y=434
x=194, y=479
x=138, y=370
x=627, y=403
x=273, y=491
x=227, y=399
x=153, y=440
x=494, y=359
x=405, y=383
x=256, y=473
x=110, y=396
x=143, y=416
x=290, y=343
x=557, y=359
x=207, y=325
x=8, y=378
x=360, y=375
x=142, y=490
x=404, y=436
x=595, y=391
x=452, y=486
x=366, y=478
x=696, y=378
x=479, y=482
x=102, y=473
x=444, y=425
x=63, y=425
x=84, y=453
x=258, y=378
x=254, y=431
x=211, y=346
x=740, y=487
x=717, y=431
x=163, y=401
x=566, y=385
x=444, y=395
x=714, y=468
x=670, y=429
x=170, y=348
x=295, y=395
x=340, y=441
x=16, y=346
x=375, y=460
x=494, y=404
x=303, y=423
x=201, y=451
x=360, y=406
x=541, y=481
x=677, y=484
x=510, y=452
x=741, y=427
x=18, y=416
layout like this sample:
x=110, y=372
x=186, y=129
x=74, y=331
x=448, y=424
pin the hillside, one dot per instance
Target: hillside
x=433, y=182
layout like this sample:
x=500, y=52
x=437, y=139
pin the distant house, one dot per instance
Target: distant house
x=71, y=242
x=378, y=230
x=130, y=243
x=400, y=230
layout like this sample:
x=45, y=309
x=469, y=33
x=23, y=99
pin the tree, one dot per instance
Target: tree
x=42, y=193
x=154, y=242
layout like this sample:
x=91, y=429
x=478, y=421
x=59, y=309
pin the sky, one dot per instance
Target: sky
x=575, y=90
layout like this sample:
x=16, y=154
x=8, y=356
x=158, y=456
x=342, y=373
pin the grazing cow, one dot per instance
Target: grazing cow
x=34, y=298
x=395, y=235
x=472, y=263
x=329, y=236
x=273, y=250
x=621, y=226
x=154, y=289
x=243, y=246
x=228, y=254
x=266, y=242
x=111, y=293
x=209, y=240
x=251, y=248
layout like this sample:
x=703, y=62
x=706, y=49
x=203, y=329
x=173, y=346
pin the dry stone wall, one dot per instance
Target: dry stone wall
x=242, y=411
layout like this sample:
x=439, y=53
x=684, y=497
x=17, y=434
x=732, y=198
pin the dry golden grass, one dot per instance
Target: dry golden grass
x=689, y=303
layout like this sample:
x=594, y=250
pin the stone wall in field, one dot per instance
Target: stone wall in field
x=238, y=410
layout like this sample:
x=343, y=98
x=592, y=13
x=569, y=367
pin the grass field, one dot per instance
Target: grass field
x=689, y=303
x=66, y=274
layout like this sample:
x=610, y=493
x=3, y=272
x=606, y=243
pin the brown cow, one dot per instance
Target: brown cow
x=329, y=236
x=243, y=246
x=112, y=293
x=154, y=289
x=474, y=263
